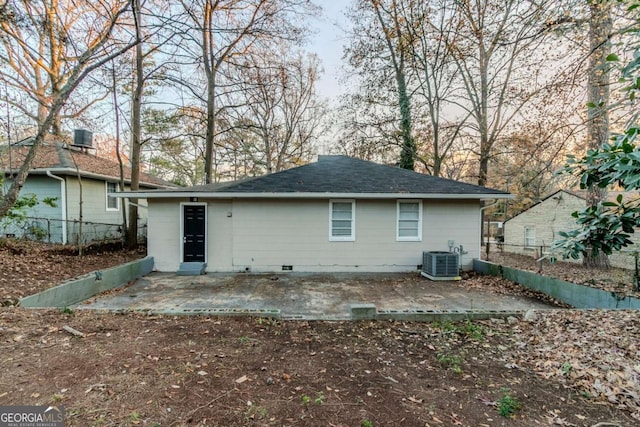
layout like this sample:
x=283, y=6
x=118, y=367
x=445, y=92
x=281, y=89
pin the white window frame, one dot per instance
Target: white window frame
x=108, y=199
x=351, y=237
x=528, y=238
x=417, y=238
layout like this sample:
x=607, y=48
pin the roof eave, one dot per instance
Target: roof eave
x=310, y=195
x=85, y=174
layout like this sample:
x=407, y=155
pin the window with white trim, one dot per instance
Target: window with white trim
x=409, y=224
x=529, y=237
x=342, y=224
x=113, y=204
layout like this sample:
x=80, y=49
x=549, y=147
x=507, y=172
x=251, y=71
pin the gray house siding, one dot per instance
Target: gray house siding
x=42, y=187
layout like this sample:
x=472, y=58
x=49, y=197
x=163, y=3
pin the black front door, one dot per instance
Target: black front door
x=193, y=233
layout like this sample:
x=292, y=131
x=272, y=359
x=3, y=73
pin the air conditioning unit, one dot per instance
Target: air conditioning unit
x=82, y=138
x=440, y=265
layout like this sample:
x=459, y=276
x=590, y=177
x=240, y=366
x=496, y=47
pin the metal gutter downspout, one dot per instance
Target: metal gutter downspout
x=63, y=202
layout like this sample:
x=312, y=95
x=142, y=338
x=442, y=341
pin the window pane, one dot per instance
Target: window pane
x=111, y=202
x=407, y=233
x=529, y=236
x=409, y=219
x=409, y=207
x=342, y=207
x=341, y=219
x=409, y=215
x=341, y=224
x=342, y=215
x=339, y=232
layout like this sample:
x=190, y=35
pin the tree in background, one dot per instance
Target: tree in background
x=469, y=72
x=606, y=226
x=173, y=146
x=91, y=43
x=216, y=34
x=379, y=55
x=499, y=50
x=280, y=108
x=41, y=41
x=430, y=31
x=600, y=33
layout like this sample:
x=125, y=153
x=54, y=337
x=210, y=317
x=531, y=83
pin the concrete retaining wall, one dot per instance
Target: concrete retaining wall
x=575, y=295
x=80, y=289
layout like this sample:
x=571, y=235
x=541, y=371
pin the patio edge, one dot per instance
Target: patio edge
x=89, y=285
x=578, y=296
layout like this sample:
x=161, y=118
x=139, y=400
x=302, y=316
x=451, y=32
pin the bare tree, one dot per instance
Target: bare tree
x=429, y=29
x=216, y=32
x=282, y=109
x=92, y=43
x=40, y=44
x=379, y=46
x=136, y=124
x=495, y=41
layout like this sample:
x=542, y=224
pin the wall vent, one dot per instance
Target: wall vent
x=440, y=265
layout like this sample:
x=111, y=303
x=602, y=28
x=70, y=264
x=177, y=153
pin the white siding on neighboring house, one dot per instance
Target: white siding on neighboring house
x=538, y=227
x=540, y=224
x=264, y=235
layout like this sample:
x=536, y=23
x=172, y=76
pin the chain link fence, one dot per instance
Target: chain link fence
x=76, y=232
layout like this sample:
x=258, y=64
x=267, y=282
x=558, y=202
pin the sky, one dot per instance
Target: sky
x=327, y=43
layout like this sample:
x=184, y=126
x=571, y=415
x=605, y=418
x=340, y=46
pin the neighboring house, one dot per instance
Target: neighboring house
x=338, y=214
x=63, y=172
x=533, y=230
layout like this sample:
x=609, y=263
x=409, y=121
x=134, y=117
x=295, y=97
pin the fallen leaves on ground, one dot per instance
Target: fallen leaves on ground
x=612, y=279
x=594, y=352
x=28, y=267
x=429, y=372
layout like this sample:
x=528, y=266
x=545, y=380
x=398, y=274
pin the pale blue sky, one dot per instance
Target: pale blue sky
x=327, y=43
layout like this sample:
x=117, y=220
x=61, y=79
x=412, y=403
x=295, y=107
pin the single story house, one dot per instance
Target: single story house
x=339, y=214
x=58, y=171
x=533, y=230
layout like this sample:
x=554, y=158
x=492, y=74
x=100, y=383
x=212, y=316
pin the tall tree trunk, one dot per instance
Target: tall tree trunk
x=210, y=70
x=408, y=153
x=600, y=28
x=116, y=111
x=483, y=117
x=136, y=122
x=392, y=33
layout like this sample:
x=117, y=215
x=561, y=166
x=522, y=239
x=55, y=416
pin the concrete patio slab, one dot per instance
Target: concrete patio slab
x=300, y=295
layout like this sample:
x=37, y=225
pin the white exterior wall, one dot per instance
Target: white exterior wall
x=264, y=235
x=163, y=234
x=548, y=218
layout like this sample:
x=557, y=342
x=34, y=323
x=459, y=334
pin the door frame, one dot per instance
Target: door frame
x=206, y=228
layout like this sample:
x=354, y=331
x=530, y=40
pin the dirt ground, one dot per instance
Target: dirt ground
x=612, y=279
x=560, y=367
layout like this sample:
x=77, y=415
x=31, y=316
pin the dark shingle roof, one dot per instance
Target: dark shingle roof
x=342, y=174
